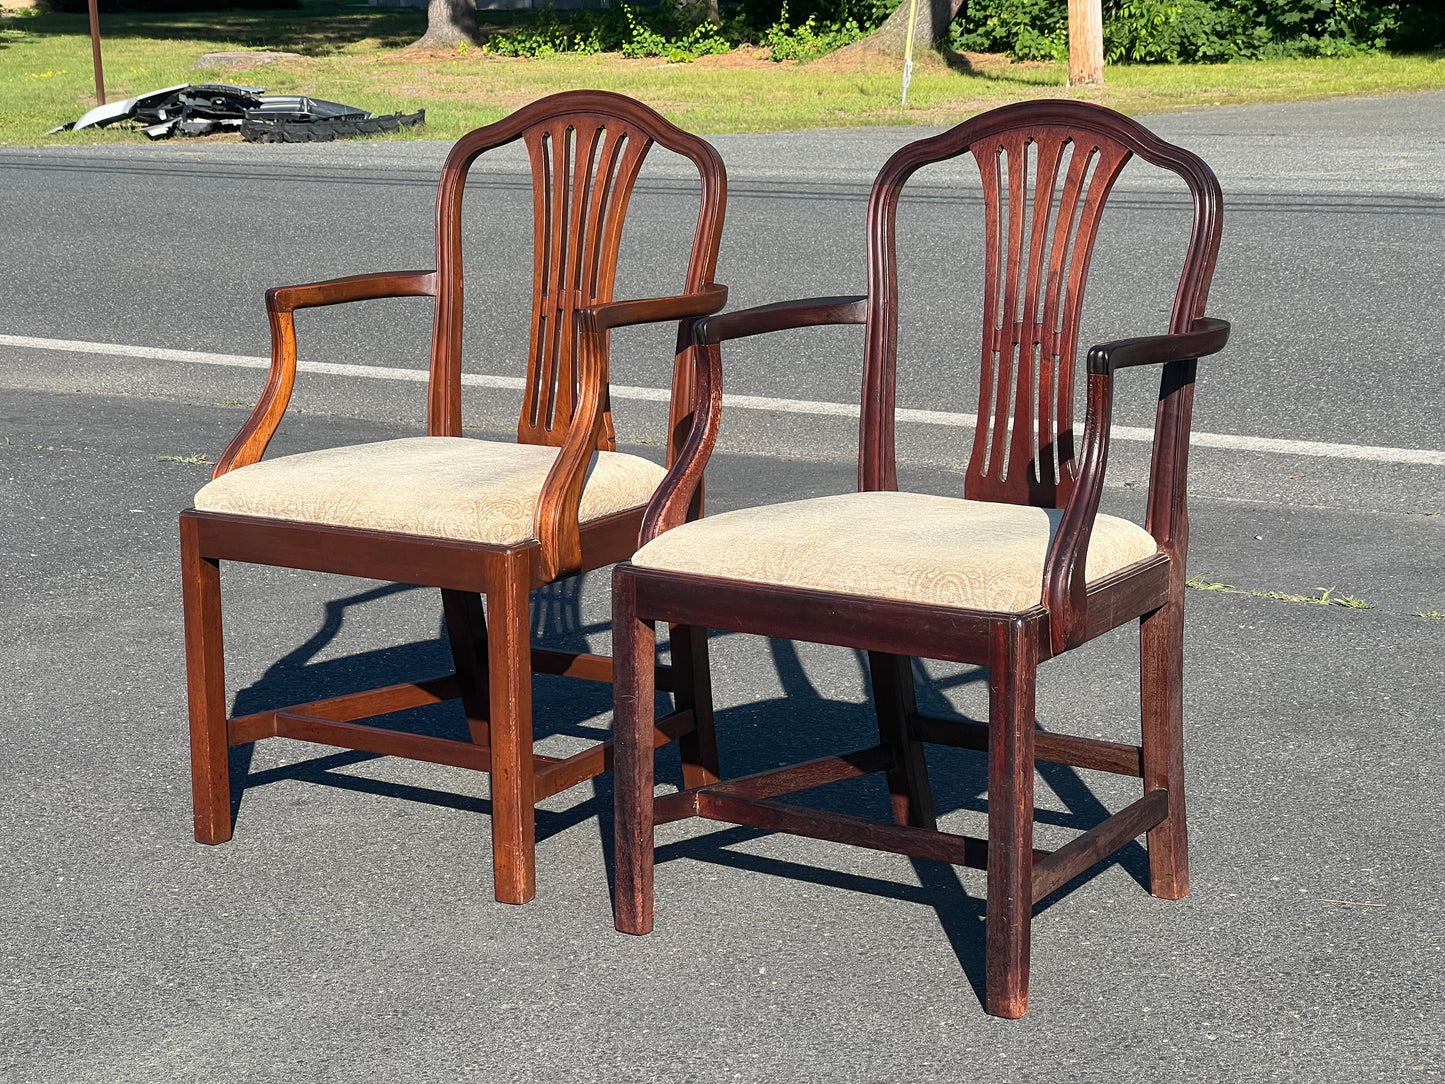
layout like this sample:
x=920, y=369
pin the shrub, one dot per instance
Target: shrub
x=645, y=39
x=1025, y=29
x=636, y=32
x=1173, y=31
x=808, y=41
x=547, y=36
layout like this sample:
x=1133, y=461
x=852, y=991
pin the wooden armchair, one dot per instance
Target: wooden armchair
x=474, y=518
x=1018, y=570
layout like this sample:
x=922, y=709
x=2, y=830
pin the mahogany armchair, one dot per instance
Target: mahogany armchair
x=1021, y=568
x=474, y=518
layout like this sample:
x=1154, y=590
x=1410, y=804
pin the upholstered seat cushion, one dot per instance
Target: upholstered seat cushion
x=437, y=487
x=910, y=547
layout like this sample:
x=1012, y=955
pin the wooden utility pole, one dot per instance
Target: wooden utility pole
x=95, y=51
x=1086, y=43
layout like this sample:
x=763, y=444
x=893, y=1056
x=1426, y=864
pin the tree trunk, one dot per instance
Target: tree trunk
x=448, y=23
x=1086, y=43
x=691, y=13
x=929, y=28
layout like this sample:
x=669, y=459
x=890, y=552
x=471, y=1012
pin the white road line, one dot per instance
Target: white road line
x=1269, y=445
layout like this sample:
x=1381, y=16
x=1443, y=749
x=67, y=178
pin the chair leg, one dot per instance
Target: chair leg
x=467, y=634
x=634, y=680
x=1161, y=695
x=692, y=688
x=893, y=698
x=1012, y=675
x=206, y=690
x=509, y=652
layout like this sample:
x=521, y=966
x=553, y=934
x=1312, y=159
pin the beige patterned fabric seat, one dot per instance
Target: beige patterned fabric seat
x=437, y=487
x=910, y=547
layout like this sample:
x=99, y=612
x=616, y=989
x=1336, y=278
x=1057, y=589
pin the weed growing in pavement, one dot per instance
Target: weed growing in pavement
x=1326, y=596
x=1205, y=585
x=1352, y=603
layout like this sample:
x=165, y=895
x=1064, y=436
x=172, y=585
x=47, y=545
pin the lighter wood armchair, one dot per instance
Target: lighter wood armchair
x=1020, y=569
x=477, y=519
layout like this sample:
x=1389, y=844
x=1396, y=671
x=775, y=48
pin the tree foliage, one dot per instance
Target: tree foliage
x=1174, y=31
x=1135, y=31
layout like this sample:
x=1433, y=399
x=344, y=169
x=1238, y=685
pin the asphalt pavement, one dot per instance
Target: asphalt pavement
x=348, y=931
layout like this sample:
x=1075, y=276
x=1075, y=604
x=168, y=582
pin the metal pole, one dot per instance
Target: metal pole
x=95, y=51
x=907, y=52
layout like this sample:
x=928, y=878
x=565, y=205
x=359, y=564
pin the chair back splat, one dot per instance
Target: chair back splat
x=585, y=157
x=1044, y=191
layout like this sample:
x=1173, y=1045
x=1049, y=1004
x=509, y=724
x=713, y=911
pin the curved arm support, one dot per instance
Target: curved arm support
x=675, y=496
x=1065, y=587
x=556, y=522
x=281, y=303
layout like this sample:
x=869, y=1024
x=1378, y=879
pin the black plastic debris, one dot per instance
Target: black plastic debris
x=265, y=127
x=259, y=117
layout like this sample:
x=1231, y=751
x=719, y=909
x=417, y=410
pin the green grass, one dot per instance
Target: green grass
x=357, y=55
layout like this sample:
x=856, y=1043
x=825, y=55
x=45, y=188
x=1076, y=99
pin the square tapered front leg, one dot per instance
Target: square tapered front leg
x=1012, y=678
x=634, y=707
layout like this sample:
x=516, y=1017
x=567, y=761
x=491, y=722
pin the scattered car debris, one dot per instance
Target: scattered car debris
x=197, y=110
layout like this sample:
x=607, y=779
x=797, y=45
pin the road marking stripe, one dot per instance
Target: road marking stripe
x=1366, y=452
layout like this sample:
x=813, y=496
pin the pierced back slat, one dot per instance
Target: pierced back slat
x=1023, y=447
x=1041, y=360
x=1056, y=431
x=586, y=150
x=584, y=169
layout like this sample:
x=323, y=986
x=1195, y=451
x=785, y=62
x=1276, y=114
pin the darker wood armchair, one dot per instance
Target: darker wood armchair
x=1021, y=568
x=477, y=519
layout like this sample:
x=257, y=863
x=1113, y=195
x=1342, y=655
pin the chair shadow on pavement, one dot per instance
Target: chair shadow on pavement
x=797, y=725
x=802, y=724
x=563, y=709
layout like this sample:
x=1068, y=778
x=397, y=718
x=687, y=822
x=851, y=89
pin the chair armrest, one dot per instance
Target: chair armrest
x=611, y=314
x=351, y=288
x=761, y=319
x=1206, y=336
x=1065, y=588
x=556, y=520
x=281, y=303
x=671, y=504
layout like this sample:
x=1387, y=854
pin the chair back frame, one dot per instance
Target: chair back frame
x=586, y=149
x=1037, y=250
